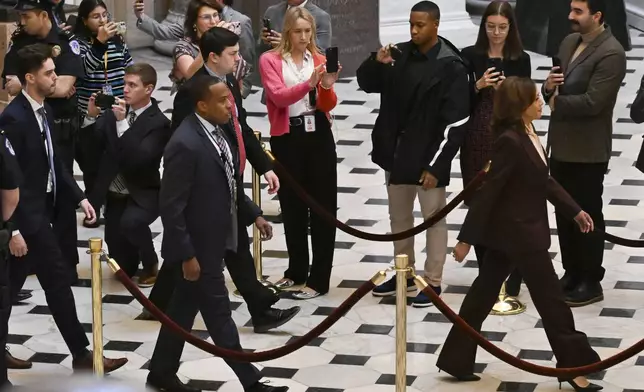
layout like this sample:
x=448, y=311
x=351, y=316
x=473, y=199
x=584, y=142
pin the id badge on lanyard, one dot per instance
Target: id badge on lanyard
x=107, y=88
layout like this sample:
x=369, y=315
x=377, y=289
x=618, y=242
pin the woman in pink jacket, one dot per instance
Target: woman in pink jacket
x=299, y=97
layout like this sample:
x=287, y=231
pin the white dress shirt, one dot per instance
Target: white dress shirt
x=209, y=130
x=294, y=76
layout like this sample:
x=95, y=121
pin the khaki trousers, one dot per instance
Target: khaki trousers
x=401, y=217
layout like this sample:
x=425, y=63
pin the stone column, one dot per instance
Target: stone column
x=455, y=25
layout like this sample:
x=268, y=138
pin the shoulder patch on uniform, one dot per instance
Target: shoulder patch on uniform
x=7, y=144
x=75, y=47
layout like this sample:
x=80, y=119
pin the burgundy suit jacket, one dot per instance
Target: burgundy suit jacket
x=508, y=213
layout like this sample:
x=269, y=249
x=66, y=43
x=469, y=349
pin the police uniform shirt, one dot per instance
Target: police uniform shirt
x=66, y=52
x=10, y=174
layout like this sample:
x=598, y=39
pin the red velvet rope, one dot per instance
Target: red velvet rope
x=561, y=373
x=332, y=220
x=259, y=356
x=432, y=220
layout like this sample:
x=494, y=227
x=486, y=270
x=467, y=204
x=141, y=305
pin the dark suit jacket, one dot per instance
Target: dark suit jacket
x=194, y=200
x=184, y=106
x=22, y=128
x=136, y=156
x=581, y=125
x=508, y=213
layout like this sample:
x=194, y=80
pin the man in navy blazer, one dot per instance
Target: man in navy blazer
x=201, y=196
x=47, y=182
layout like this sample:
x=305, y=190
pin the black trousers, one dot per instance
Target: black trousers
x=65, y=223
x=45, y=257
x=208, y=295
x=513, y=284
x=5, y=310
x=571, y=347
x=311, y=159
x=127, y=233
x=582, y=254
x=241, y=267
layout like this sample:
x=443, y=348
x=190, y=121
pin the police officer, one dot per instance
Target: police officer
x=10, y=178
x=36, y=27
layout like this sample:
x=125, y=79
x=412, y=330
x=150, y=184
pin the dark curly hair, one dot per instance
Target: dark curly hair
x=192, y=13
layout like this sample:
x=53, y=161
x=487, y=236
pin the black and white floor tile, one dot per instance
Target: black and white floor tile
x=358, y=353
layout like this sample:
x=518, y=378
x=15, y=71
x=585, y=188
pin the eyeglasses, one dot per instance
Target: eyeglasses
x=209, y=17
x=501, y=29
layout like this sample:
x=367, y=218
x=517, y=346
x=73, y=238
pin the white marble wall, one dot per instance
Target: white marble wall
x=456, y=24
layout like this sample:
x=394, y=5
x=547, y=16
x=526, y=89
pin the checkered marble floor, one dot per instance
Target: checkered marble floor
x=357, y=353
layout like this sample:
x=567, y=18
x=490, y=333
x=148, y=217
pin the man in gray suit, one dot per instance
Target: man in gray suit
x=276, y=13
x=174, y=31
x=582, y=96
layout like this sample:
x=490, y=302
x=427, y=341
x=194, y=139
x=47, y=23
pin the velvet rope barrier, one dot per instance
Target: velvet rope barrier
x=468, y=191
x=561, y=373
x=332, y=220
x=260, y=356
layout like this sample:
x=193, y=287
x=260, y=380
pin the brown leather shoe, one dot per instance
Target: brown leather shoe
x=86, y=363
x=15, y=363
x=148, y=276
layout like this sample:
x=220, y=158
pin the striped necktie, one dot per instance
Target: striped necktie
x=51, y=177
x=219, y=139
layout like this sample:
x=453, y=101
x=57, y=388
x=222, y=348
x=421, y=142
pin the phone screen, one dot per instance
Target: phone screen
x=71, y=20
x=332, y=60
x=267, y=24
x=496, y=63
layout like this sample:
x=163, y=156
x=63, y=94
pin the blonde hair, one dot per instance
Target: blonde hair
x=292, y=15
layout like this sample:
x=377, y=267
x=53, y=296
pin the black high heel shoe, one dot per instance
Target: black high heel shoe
x=462, y=377
x=589, y=388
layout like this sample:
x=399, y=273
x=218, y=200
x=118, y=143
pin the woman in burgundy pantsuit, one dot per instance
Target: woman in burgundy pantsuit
x=509, y=217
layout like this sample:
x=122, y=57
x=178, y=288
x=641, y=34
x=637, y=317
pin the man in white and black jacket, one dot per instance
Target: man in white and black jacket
x=425, y=90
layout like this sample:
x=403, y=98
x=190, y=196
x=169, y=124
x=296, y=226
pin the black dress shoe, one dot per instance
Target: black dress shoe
x=262, y=387
x=273, y=318
x=168, y=384
x=568, y=283
x=589, y=388
x=462, y=377
x=23, y=295
x=14, y=363
x=585, y=293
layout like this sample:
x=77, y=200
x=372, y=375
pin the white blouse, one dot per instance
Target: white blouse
x=294, y=76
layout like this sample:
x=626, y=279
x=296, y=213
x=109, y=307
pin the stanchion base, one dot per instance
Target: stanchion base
x=508, y=306
x=265, y=283
x=271, y=286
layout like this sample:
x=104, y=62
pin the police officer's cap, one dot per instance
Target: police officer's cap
x=30, y=5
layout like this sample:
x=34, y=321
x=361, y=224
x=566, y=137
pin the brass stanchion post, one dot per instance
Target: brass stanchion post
x=402, y=263
x=257, y=235
x=506, y=305
x=96, y=249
